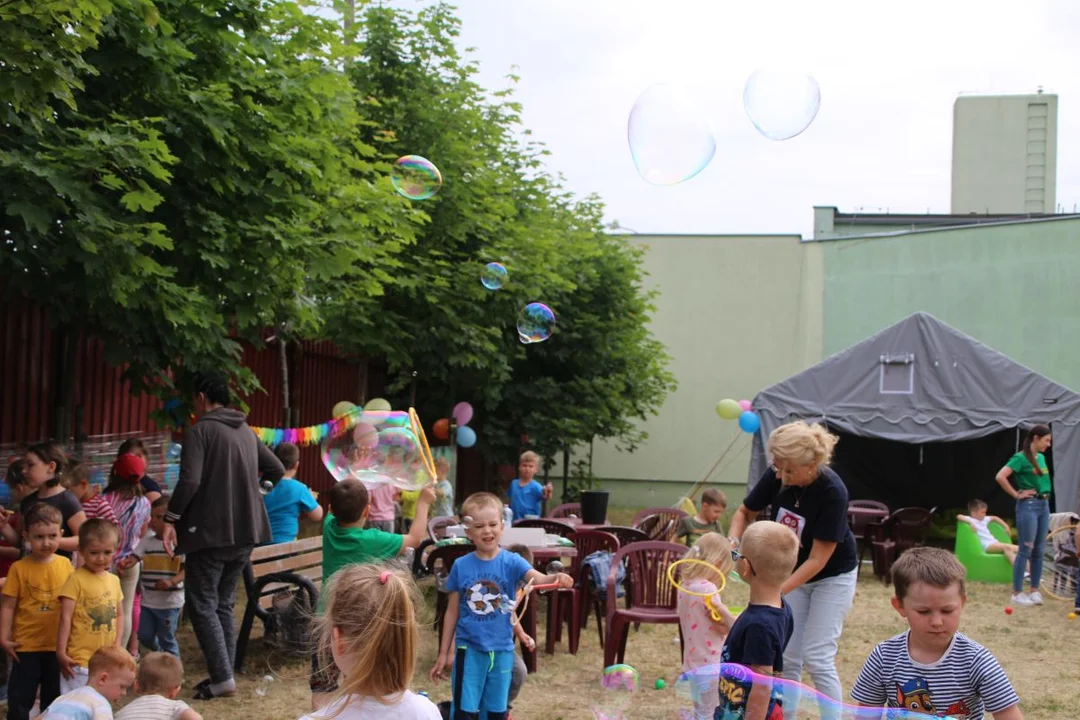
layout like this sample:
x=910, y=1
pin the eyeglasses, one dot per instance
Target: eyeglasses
x=737, y=556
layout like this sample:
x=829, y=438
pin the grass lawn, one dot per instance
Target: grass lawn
x=566, y=686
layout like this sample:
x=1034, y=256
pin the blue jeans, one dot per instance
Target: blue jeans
x=157, y=629
x=1032, y=524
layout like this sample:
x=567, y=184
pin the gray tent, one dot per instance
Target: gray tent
x=918, y=386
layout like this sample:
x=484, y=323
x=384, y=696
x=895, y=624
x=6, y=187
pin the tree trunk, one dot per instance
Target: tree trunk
x=64, y=383
x=565, y=474
x=283, y=360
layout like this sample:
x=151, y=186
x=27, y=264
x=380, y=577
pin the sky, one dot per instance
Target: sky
x=888, y=72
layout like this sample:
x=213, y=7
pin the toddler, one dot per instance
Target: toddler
x=157, y=683
x=980, y=523
x=111, y=670
x=162, y=581
x=444, y=490
x=77, y=480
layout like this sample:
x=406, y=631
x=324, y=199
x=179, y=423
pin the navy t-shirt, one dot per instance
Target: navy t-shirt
x=815, y=512
x=758, y=637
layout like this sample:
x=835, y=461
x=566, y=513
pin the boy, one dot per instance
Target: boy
x=111, y=670
x=932, y=668
x=479, y=610
x=525, y=494
x=765, y=560
x=91, y=606
x=707, y=519
x=347, y=541
x=157, y=684
x=980, y=523
x=31, y=598
x=444, y=491
x=162, y=583
x=93, y=504
x=290, y=499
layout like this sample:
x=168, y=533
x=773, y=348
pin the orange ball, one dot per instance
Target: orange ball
x=441, y=430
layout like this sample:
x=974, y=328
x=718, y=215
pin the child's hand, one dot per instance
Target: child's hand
x=529, y=642
x=163, y=585
x=67, y=665
x=564, y=580
x=442, y=665
x=9, y=648
x=126, y=563
x=427, y=495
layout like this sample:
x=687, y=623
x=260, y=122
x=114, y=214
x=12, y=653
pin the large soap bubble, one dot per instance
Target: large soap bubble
x=379, y=448
x=619, y=682
x=670, y=141
x=781, y=103
x=730, y=685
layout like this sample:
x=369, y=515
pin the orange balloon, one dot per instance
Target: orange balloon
x=441, y=430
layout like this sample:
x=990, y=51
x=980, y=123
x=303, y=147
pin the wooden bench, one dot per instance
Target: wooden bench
x=274, y=568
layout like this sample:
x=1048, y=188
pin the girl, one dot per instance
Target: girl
x=44, y=468
x=150, y=487
x=1032, y=495
x=77, y=480
x=703, y=635
x=125, y=495
x=369, y=628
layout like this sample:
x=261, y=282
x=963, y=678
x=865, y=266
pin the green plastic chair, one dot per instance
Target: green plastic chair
x=982, y=566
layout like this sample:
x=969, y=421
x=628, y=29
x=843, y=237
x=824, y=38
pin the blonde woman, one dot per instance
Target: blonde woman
x=807, y=496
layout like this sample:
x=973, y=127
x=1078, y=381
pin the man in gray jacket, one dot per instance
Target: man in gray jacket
x=216, y=516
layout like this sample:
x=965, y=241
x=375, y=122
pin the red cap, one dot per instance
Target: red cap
x=129, y=468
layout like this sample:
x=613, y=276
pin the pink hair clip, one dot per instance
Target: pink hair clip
x=384, y=576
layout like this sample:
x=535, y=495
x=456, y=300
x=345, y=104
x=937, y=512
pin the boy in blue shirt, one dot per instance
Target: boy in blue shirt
x=479, y=613
x=526, y=495
x=289, y=499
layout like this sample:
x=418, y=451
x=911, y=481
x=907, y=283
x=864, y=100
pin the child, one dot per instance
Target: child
x=407, y=498
x=30, y=613
x=525, y=494
x=444, y=490
x=111, y=671
x=704, y=635
x=520, y=672
x=382, y=513
x=713, y=507
x=157, y=683
x=10, y=541
x=162, y=580
x=478, y=612
x=765, y=560
x=932, y=668
x=369, y=630
x=980, y=523
x=44, y=471
x=124, y=494
x=91, y=605
x=77, y=480
x=346, y=542
x=290, y=499
x=150, y=487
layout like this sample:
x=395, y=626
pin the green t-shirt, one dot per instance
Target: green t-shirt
x=691, y=529
x=1024, y=472
x=348, y=546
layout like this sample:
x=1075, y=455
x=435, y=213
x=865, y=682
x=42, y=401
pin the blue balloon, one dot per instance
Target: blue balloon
x=749, y=422
x=466, y=436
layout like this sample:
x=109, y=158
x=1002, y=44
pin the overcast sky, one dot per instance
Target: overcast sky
x=888, y=72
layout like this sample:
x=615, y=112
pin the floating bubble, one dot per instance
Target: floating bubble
x=781, y=103
x=415, y=177
x=699, y=689
x=381, y=448
x=536, y=322
x=621, y=680
x=670, y=141
x=620, y=677
x=493, y=276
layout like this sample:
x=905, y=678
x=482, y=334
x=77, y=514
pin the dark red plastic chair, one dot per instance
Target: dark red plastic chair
x=436, y=527
x=551, y=527
x=565, y=510
x=625, y=534
x=654, y=597
x=581, y=596
x=444, y=556
x=904, y=529
x=659, y=523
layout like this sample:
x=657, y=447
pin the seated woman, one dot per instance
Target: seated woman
x=980, y=523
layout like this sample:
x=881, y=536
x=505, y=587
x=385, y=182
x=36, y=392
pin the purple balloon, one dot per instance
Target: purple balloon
x=462, y=413
x=745, y=404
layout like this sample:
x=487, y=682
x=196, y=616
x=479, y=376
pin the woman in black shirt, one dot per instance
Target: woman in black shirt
x=807, y=496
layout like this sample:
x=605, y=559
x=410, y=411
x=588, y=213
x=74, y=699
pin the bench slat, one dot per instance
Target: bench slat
x=290, y=563
x=270, y=552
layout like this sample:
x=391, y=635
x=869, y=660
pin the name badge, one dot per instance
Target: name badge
x=793, y=520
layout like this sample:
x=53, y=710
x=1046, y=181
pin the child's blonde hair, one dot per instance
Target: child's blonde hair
x=772, y=549
x=478, y=501
x=374, y=612
x=531, y=456
x=714, y=549
x=159, y=674
x=802, y=444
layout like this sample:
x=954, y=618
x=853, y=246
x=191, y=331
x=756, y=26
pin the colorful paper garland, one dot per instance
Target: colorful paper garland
x=310, y=435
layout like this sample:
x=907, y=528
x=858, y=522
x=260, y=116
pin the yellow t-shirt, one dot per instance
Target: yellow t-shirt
x=94, y=624
x=408, y=503
x=36, y=586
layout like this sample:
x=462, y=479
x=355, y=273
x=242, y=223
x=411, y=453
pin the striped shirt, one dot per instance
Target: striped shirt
x=964, y=683
x=157, y=565
x=153, y=707
x=96, y=506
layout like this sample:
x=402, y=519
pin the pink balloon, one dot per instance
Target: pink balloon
x=463, y=413
x=745, y=404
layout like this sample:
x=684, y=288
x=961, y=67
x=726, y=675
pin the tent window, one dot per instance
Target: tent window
x=897, y=374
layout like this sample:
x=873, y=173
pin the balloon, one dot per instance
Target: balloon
x=745, y=404
x=466, y=436
x=342, y=408
x=377, y=405
x=463, y=413
x=728, y=409
x=749, y=422
x=382, y=448
x=441, y=429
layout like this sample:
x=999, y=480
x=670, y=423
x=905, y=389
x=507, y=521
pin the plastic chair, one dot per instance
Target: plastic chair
x=436, y=527
x=869, y=505
x=581, y=595
x=860, y=522
x=551, y=527
x=904, y=529
x=659, y=523
x=565, y=510
x=625, y=534
x=446, y=555
x=981, y=565
x=654, y=597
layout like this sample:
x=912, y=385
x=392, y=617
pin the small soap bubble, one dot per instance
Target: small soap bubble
x=415, y=177
x=781, y=103
x=493, y=276
x=620, y=677
x=536, y=322
x=670, y=141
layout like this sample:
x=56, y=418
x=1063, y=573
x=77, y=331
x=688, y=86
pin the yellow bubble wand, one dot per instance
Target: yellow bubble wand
x=708, y=596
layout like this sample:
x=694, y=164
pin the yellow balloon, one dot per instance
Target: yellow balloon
x=377, y=405
x=728, y=409
x=343, y=408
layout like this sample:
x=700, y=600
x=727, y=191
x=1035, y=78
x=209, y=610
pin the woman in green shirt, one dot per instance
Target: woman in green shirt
x=1032, y=494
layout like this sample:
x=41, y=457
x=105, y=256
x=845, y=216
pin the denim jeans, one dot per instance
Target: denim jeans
x=210, y=578
x=157, y=629
x=819, y=609
x=1032, y=524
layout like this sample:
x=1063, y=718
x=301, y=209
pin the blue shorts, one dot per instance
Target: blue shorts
x=481, y=680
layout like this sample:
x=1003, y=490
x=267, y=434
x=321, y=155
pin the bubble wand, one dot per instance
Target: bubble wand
x=708, y=596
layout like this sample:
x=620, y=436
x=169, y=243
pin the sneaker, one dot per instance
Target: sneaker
x=1021, y=599
x=1036, y=597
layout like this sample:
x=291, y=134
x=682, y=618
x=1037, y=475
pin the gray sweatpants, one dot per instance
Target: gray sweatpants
x=210, y=578
x=517, y=679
